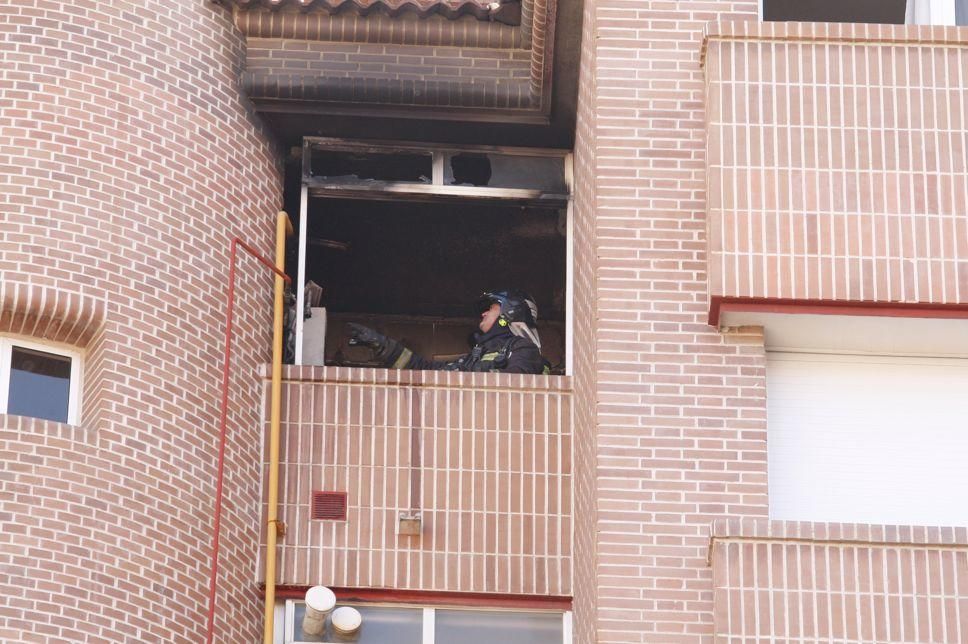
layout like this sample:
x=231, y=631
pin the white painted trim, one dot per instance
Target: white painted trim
x=856, y=334
x=76, y=381
x=301, y=274
x=566, y=627
x=429, y=625
x=290, y=633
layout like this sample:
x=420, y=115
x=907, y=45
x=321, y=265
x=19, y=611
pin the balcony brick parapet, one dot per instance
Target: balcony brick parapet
x=836, y=159
x=483, y=459
x=796, y=581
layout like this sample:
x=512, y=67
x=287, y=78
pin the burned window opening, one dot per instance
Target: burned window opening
x=474, y=169
x=414, y=271
x=380, y=246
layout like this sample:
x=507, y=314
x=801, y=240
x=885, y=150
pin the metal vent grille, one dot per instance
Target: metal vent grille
x=329, y=506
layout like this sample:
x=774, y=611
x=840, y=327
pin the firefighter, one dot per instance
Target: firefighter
x=507, y=341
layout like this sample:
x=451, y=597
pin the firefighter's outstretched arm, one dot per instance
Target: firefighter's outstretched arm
x=388, y=351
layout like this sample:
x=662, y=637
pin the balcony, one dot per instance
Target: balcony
x=837, y=163
x=484, y=459
x=789, y=581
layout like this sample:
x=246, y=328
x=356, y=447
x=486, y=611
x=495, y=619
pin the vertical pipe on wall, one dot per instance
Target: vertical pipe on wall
x=275, y=413
x=223, y=411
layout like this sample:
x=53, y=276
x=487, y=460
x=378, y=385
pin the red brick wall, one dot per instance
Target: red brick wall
x=839, y=582
x=837, y=162
x=680, y=414
x=128, y=162
x=492, y=482
x=584, y=358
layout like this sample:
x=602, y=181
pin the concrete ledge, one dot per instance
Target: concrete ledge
x=755, y=30
x=766, y=530
x=440, y=379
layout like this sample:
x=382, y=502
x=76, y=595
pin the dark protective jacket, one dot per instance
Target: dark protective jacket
x=500, y=351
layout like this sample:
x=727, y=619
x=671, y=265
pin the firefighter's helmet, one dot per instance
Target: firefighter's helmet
x=516, y=306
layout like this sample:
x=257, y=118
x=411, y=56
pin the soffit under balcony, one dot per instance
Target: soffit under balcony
x=372, y=67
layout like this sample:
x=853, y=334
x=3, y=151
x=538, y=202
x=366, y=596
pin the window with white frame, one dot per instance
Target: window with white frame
x=899, y=12
x=421, y=625
x=39, y=380
x=404, y=237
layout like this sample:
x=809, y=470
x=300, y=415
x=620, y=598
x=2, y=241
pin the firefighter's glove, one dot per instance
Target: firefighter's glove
x=365, y=336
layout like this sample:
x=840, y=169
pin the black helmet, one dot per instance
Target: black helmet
x=516, y=306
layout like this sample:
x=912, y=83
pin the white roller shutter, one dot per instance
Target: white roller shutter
x=868, y=439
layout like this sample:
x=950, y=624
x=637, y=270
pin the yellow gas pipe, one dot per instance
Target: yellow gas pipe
x=273, y=528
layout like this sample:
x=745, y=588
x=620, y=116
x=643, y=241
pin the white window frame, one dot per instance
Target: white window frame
x=931, y=12
x=429, y=618
x=437, y=188
x=7, y=343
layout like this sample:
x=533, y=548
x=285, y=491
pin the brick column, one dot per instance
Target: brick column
x=677, y=437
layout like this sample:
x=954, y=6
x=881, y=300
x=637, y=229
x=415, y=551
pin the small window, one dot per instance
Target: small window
x=424, y=625
x=860, y=11
x=39, y=381
x=890, y=12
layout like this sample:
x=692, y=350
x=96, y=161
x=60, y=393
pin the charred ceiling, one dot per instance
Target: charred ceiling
x=434, y=70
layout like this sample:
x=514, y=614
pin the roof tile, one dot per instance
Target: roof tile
x=447, y=8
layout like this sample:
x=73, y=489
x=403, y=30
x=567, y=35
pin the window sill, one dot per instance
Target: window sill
x=30, y=425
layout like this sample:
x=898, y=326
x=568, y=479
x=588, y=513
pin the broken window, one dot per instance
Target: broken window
x=405, y=239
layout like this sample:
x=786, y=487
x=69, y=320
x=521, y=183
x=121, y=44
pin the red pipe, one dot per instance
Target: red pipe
x=223, y=416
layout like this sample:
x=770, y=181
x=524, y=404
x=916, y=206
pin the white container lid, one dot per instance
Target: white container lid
x=346, y=619
x=321, y=599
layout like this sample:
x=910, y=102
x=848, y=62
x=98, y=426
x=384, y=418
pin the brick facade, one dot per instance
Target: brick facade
x=584, y=205
x=679, y=418
x=713, y=158
x=128, y=161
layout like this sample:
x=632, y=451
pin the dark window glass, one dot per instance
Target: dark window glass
x=372, y=166
x=40, y=384
x=961, y=12
x=869, y=11
x=505, y=627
